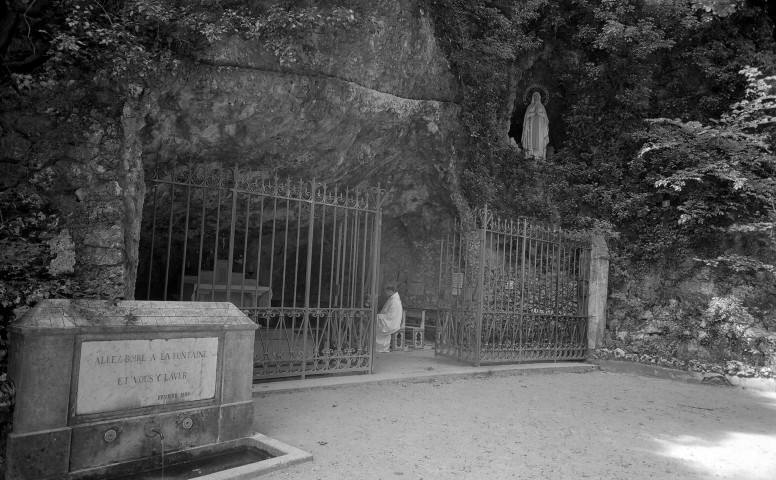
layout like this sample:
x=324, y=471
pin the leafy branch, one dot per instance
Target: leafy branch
x=135, y=39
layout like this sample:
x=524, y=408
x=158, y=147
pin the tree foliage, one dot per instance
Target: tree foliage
x=721, y=178
x=667, y=119
x=685, y=64
x=123, y=41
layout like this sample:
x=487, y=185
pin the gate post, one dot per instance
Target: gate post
x=598, y=289
x=376, y=239
x=308, y=278
x=556, y=311
x=232, y=227
x=480, y=287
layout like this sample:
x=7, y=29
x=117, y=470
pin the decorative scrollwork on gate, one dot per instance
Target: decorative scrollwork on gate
x=334, y=339
x=244, y=180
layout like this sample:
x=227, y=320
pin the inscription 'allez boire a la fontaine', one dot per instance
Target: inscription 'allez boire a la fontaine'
x=125, y=374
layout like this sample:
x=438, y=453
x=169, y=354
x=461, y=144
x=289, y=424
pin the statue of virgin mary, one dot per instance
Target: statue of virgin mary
x=536, y=128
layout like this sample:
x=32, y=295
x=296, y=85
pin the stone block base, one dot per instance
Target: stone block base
x=38, y=455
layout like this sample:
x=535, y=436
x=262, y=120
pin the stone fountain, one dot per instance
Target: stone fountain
x=110, y=389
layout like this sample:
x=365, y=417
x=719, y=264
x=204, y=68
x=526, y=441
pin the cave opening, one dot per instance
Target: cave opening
x=267, y=245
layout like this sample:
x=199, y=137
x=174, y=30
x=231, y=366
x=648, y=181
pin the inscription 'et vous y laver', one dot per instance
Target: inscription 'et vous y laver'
x=159, y=377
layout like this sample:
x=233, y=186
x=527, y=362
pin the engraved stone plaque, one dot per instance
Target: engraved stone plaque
x=126, y=374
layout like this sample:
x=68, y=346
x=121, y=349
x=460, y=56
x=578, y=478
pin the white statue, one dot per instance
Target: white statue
x=536, y=127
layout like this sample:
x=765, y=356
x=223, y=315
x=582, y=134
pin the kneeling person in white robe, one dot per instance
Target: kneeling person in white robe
x=388, y=320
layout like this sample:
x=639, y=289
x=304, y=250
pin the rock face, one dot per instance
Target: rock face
x=373, y=104
x=69, y=197
x=310, y=127
x=391, y=48
x=706, y=319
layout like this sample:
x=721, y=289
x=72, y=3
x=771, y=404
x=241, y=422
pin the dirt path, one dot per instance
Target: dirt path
x=594, y=425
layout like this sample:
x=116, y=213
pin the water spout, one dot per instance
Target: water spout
x=152, y=432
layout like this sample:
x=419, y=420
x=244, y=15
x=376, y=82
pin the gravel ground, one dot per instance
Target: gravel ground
x=594, y=425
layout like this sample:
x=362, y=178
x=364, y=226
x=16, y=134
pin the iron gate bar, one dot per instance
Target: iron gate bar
x=185, y=237
x=245, y=250
x=310, y=336
x=230, y=256
x=480, y=292
x=285, y=258
x=201, y=241
x=309, y=272
x=522, y=289
x=261, y=244
x=557, y=294
x=375, y=270
x=153, y=244
x=215, y=241
x=296, y=255
x=169, y=239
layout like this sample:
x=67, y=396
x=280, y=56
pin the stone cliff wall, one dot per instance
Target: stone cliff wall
x=698, y=320
x=69, y=197
x=367, y=105
x=391, y=48
x=310, y=127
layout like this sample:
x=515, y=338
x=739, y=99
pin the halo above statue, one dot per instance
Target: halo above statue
x=533, y=88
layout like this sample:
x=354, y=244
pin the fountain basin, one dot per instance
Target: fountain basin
x=240, y=459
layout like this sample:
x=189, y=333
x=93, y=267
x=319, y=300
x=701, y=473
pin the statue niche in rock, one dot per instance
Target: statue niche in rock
x=536, y=126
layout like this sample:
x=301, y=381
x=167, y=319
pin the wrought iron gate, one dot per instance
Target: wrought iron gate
x=299, y=258
x=512, y=291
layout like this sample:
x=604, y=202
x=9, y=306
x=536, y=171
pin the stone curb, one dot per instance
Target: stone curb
x=656, y=371
x=420, y=377
x=285, y=456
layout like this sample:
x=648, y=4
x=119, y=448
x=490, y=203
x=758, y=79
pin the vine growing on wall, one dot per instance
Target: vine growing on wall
x=485, y=42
